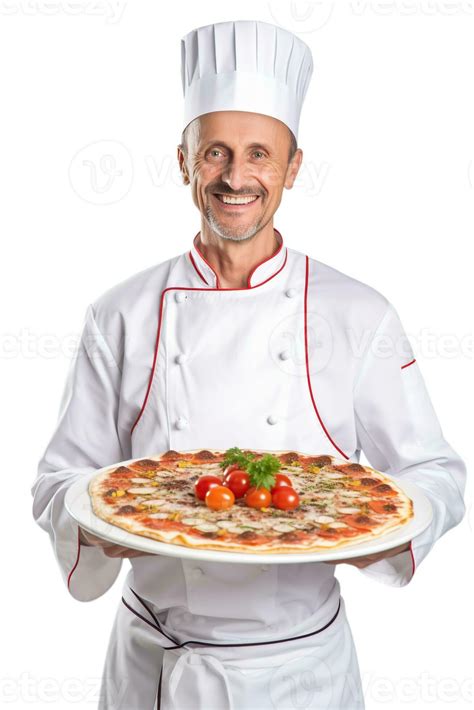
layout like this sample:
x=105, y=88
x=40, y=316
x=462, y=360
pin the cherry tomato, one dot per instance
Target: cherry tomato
x=238, y=481
x=231, y=467
x=285, y=498
x=219, y=498
x=258, y=497
x=280, y=480
x=203, y=484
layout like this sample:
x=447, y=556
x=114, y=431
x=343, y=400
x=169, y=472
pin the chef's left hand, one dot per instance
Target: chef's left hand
x=369, y=559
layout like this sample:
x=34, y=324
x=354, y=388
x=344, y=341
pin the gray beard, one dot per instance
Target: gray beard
x=226, y=234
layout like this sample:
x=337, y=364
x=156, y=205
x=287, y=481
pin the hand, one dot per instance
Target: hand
x=369, y=559
x=108, y=548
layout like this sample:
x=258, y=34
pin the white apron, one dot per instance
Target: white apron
x=145, y=670
x=230, y=370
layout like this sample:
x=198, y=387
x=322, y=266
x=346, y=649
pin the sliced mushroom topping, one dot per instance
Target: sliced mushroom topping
x=191, y=521
x=161, y=516
x=283, y=527
x=153, y=501
x=207, y=527
x=142, y=490
x=140, y=480
x=237, y=529
x=225, y=524
x=324, y=519
x=338, y=524
x=348, y=510
x=351, y=494
x=331, y=474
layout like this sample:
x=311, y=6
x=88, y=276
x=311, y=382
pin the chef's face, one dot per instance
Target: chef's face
x=237, y=154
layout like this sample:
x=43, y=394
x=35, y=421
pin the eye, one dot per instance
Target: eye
x=259, y=152
x=213, y=151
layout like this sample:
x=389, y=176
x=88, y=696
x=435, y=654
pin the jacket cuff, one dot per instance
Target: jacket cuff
x=86, y=569
x=395, y=571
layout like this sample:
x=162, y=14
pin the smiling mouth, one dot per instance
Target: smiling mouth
x=240, y=201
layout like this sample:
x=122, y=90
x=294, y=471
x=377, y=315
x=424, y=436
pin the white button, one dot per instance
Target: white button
x=181, y=422
x=291, y=292
x=180, y=296
x=197, y=572
x=271, y=419
x=180, y=358
x=285, y=355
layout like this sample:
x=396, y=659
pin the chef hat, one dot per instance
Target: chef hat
x=245, y=66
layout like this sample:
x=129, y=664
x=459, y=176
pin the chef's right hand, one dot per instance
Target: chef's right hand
x=109, y=548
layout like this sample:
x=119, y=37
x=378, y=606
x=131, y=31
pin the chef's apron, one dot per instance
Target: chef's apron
x=253, y=368
x=151, y=667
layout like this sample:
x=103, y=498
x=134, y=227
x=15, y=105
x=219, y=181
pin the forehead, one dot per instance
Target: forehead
x=240, y=128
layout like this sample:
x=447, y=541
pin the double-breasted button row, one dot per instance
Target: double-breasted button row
x=181, y=296
x=182, y=422
x=180, y=358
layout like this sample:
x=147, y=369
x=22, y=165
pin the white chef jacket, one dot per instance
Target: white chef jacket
x=304, y=358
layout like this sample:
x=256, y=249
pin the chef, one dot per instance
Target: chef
x=239, y=341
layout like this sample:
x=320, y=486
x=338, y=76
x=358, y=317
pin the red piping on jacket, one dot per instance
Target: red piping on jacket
x=409, y=363
x=251, y=273
x=307, y=360
x=412, y=559
x=195, y=266
x=77, y=558
x=160, y=318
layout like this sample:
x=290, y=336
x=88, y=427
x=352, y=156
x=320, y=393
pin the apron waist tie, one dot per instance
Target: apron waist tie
x=195, y=663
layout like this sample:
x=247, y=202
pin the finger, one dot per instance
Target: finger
x=114, y=550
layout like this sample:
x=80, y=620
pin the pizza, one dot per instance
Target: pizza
x=329, y=502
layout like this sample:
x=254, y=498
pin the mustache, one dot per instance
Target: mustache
x=224, y=190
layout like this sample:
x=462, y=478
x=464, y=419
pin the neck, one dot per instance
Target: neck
x=234, y=260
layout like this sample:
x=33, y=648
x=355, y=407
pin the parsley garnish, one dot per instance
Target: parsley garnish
x=262, y=472
x=236, y=455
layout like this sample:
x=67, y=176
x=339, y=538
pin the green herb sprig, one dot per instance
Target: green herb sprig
x=236, y=456
x=262, y=472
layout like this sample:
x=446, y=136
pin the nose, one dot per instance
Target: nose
x=235, y=173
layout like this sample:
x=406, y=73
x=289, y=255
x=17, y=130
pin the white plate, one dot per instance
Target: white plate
x=78, y=505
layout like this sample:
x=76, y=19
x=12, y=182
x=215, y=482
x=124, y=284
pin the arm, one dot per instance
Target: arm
x=85, y=439
x=399, y=433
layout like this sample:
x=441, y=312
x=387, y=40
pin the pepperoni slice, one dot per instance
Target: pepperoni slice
x=382, y=506
x=383, y=489
x=351, y=469
x=359, y=520
x=368, y=482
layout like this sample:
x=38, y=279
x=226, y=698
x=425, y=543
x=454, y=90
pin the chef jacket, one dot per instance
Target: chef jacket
x=303, y=358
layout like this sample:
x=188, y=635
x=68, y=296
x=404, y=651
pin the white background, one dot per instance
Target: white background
x=385, y=194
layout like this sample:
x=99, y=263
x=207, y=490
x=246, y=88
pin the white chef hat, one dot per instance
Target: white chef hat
x=245, y=65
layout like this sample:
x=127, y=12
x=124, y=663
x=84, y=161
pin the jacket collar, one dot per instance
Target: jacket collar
x=261, y=272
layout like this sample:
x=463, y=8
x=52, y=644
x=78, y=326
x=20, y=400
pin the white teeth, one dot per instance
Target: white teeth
x=236, y=200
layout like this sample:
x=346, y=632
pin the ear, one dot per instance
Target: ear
x=293, y=169
x=182, y=165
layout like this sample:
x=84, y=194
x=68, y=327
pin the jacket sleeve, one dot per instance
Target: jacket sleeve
x=85, y=439
x=399, y=433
